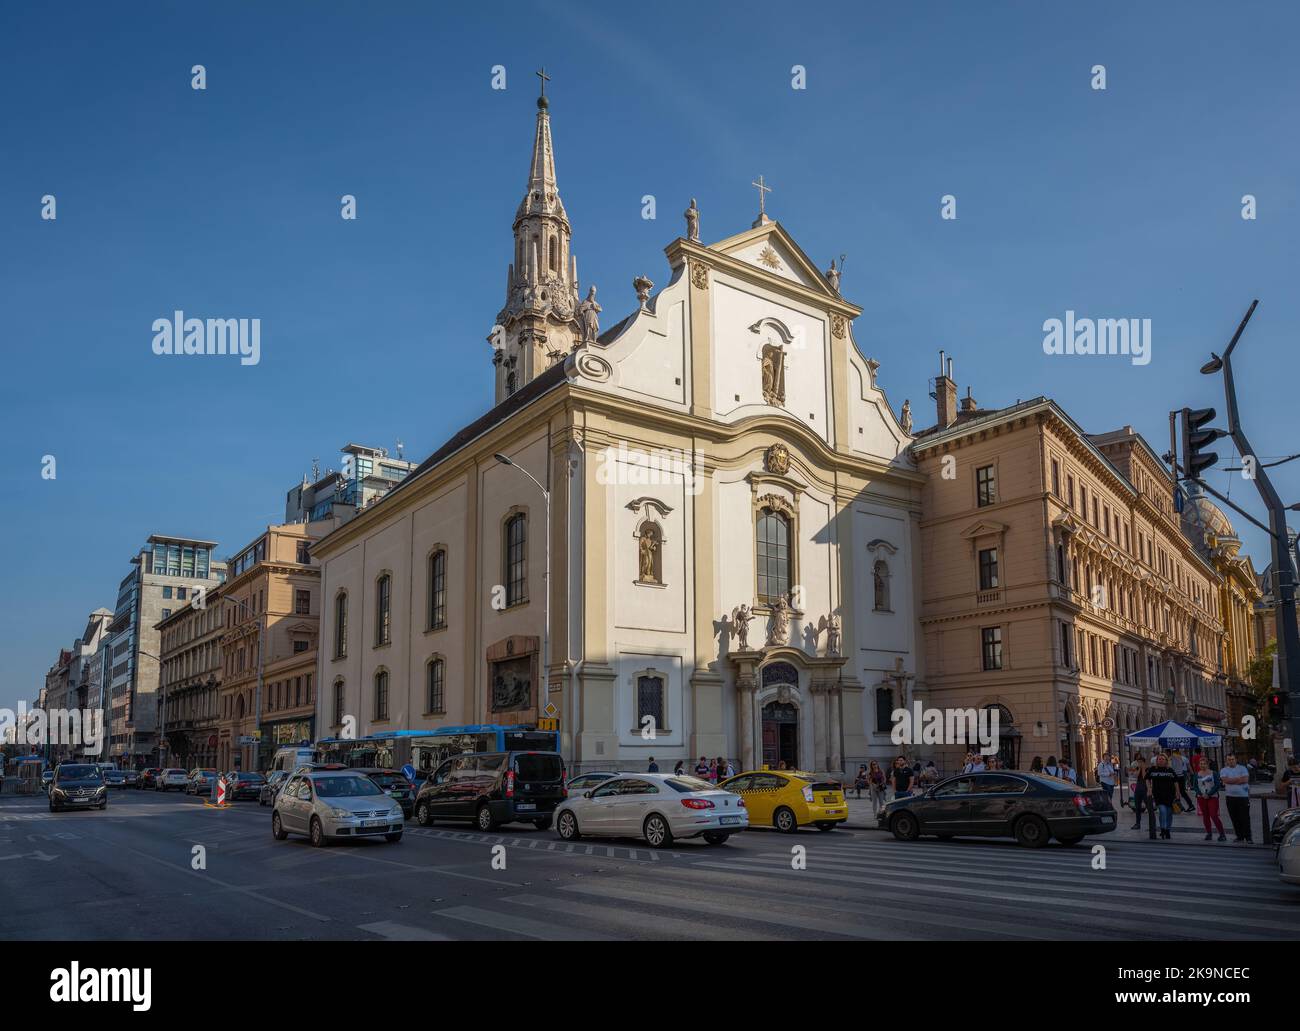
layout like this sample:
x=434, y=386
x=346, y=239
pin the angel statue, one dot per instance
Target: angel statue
x=741, y=618
x=832, y=628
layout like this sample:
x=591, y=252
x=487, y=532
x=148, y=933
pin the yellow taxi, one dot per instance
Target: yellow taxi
x=789, y=799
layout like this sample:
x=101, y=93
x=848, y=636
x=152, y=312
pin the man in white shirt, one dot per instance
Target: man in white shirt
x=1106, y=775
x=1236, y=787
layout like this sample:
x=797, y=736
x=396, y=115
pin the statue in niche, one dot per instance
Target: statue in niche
x=589, y=315
x=649, y=552
x=773, y=359
x=834, y=631
x=905, y=419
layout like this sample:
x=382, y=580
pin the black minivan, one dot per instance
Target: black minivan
x=491, y=788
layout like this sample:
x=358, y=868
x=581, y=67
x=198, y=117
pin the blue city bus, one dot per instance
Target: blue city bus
x=424, y=750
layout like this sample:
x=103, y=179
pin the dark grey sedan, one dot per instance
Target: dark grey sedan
x=1030, y=807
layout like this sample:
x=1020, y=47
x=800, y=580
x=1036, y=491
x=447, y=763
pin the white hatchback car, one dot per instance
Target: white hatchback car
x=326, y=805
x=659, y=807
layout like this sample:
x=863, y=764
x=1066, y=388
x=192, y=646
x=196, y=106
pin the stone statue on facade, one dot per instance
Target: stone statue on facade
x=693, y=222
x=905, y=419
x=833, y=276
x=773, y=359
x=833, y=628
x=779, y=632
x=649, y=548
x=741, y=618
x=589, y=316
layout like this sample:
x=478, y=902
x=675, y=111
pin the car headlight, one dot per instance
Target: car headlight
x=395, y=811
x=341, y=814
x=101, y=789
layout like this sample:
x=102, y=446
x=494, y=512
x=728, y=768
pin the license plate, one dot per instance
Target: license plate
x=526, y=805
x=728, y=819
x=829, y=800
x=375, y=823
x=833, y=812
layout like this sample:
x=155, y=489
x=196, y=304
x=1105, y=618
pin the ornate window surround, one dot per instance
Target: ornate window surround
x=760, y=499
x=510, y=513
x=635, y=682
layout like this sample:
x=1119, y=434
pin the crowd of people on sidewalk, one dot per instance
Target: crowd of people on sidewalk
x=1159, y=785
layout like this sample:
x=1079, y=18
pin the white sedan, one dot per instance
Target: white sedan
x=656, y=806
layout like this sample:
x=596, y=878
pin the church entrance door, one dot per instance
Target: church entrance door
x=781, y=735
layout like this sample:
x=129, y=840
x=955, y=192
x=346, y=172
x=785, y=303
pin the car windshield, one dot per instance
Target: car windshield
x=688, y=784
x=344, y=787
x=172, y=773
x=389, y=780
x=251, y=776
x=538, y=766
x=78, y=772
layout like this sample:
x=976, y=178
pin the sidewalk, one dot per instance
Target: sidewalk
x=1187, y=828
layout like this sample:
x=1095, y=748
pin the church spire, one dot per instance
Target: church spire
x=538, y=324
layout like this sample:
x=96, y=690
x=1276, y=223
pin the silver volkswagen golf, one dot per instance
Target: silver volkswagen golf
x=328, y=805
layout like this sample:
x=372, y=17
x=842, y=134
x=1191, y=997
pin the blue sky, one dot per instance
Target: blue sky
x=1122, y=203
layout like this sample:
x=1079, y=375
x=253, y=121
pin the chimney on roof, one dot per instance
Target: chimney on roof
x=968, y=403
x=945, y=394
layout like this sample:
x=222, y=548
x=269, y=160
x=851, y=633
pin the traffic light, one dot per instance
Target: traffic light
x=1195, y=439
x=1278, y=711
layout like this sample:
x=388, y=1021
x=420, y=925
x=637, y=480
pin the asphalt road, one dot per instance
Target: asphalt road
x=128, y=873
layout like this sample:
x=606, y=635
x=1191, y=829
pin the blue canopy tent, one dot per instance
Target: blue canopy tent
x=1172, y=734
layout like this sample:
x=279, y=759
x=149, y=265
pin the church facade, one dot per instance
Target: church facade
x=719, y=489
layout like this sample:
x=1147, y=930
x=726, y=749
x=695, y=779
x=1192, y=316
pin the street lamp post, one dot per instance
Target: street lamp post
x=162, y=724
x=257, y=697
x=546, y=580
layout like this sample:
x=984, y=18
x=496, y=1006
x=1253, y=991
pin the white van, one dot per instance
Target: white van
x=289, y=759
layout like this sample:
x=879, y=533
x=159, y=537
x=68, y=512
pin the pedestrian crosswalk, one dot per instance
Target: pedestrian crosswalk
x=865, y=886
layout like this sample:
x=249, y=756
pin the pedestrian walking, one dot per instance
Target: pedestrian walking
x=1140, y=796
x=1163, y=781
x=1208, y=786
x=1037, y=765
x=724, y=769
x=653, y=767
x=876, y=785
x=1106, y=776
x=1067, y=772
x=1050, y=768
x=1236, y=789
x=679, y=768
x=860, y=778
x=901, y=775
x=711, y=771
x=930, y=774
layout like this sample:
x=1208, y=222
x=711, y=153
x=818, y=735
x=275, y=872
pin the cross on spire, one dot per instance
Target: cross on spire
x=763, y=190
x=541, y=74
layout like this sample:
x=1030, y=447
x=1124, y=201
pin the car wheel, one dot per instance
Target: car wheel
x=826, y=825
x=716, y=837
x=1069, y=839
x=1031, y=831
x=393, y=839
x=484, y=818
x=905, y=827
x=784, y=820
x=317, y=833
x=103, y=805
x=423, y=816
x=544, y=824
x=277, y=830
x=567, y=828
x=657, y=832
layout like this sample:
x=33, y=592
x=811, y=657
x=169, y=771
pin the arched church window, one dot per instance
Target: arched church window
x=650, y=546
x=774, y=570
x=512, y=383
x=516, y=539
x=880, y=575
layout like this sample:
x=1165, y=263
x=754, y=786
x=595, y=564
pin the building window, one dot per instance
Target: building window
x=381, y=695
x=1066, y=635
x=986, y=486
x=304, y=557
x=1083, y=501
x=988, y=569
x=884, y=710
x=300, y=646
x=167, y=592
x=880, y=574
x=436, y=677
x=302, y=603
x=180, y=593
x=338, y=703
x=384, y=610
x=1069, y=491
x=166, y=613
x=991, y=640
x=650, y=696
x=773, y=536
x=516, y=553
x=341, y=626
x=437, y=591
x=1056, y=477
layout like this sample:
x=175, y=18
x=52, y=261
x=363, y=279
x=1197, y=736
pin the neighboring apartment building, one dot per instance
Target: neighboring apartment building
x=368, y=474
x=1058, y=584
x=163, y=578
x=190, y=641
x=270, y=622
